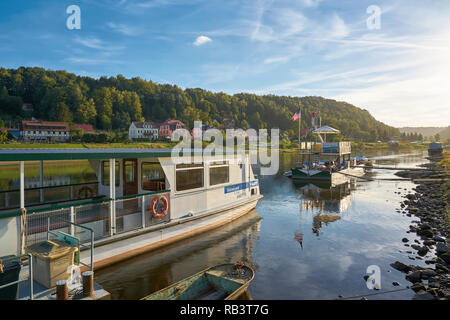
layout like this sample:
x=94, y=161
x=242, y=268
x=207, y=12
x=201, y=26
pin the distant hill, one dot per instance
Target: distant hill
x=445, y=134
x=111, y=103
x=425, y=131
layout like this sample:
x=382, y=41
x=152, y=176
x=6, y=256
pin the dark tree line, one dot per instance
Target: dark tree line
x=112, y=103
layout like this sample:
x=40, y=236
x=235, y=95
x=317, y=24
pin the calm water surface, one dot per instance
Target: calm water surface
x=344, y=229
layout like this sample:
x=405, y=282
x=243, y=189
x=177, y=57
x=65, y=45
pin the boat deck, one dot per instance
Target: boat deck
x=42, y=293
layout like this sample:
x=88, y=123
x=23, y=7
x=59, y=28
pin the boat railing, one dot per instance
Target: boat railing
x=342, y=147
x=20, y=258
x=82, y=245
x=10, y=199
x=105, y=217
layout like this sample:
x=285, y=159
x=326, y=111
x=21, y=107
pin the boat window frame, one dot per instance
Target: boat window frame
x=214, y=164
x=117, y=175
x=187, y=167
x=142, y=170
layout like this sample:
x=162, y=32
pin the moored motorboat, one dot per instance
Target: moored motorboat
x=222, y=282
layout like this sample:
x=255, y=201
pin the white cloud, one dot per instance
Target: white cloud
x=123, y=29
x=95, y=43
x=338, y=27
x=201, y=40
x=310, y=3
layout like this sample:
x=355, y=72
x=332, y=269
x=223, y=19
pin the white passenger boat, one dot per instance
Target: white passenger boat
x=155, y=201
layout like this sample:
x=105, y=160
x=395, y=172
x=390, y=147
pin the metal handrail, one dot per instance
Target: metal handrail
x=81, y=245
x=77, y=204
x=30, y=272
x=49, y=187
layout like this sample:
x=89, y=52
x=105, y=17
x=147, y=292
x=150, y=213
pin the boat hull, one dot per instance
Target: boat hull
x=223, y=282
x=334, y=178
x=128, y=245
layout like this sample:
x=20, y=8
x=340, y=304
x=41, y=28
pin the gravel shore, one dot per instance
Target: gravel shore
x=429, y=203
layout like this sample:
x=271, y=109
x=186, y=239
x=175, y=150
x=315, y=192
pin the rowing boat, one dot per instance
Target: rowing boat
x=222, y=282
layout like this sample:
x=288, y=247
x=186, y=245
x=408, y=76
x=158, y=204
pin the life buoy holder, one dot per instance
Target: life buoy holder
x=153, y=206
x=89, y=189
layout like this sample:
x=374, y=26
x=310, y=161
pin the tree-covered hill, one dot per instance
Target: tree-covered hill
x=112, y=103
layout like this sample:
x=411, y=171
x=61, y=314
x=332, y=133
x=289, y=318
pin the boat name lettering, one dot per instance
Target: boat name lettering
x=241, y=186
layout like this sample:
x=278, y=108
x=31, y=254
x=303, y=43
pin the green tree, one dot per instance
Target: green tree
x=86, y=112
x=3, y=136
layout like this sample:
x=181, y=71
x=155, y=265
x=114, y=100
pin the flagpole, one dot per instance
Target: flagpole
x=299, y=147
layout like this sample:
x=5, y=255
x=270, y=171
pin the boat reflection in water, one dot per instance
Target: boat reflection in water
x=325, y=201
x=145, y=274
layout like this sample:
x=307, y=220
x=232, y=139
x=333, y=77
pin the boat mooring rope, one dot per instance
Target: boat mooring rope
x=373, y=294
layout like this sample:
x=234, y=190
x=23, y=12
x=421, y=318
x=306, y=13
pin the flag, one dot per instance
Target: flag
x=297, y=115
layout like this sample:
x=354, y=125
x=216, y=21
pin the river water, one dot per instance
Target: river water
x=344, y=230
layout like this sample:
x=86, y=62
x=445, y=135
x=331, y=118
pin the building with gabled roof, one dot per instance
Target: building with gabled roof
x=45, y=131
x=143, y=130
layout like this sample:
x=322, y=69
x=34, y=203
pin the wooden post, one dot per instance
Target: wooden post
x=88, y=283
x=62, y=290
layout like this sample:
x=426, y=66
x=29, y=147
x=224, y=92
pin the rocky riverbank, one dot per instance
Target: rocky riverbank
x=429, y=203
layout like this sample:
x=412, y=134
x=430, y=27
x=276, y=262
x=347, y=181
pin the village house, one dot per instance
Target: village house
x=143, y=130
x=87, y=128
x=45, y=131
x=167, y=127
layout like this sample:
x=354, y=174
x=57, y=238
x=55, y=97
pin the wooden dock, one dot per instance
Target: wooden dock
x=396, y=168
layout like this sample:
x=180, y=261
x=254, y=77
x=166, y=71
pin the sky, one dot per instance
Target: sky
x=390, y=57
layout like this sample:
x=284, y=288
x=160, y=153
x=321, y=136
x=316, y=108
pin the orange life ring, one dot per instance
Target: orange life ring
x=153, y=206
x=89, y=189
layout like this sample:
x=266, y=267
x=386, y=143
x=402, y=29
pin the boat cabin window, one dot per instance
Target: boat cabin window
x=219, y=172
x=153, y=178
x=189, y=176
x=105, y=173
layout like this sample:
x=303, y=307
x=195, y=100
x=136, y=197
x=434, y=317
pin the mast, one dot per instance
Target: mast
x=299, y=144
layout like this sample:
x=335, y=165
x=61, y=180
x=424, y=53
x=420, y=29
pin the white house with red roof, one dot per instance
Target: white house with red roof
x=143, y=130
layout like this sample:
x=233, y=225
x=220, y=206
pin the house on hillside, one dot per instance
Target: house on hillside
x=44, y=131
x=199, y=132
x=87, y=128
x=167, y=127
x=143, y=130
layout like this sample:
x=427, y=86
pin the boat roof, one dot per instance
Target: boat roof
x=83, y=154
x=326, y=129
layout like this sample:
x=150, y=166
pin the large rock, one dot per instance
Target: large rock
x=442, y=248
x=422, y=251
x=400, y=266
x=423, y=295
x=446, y=257
x=428, y=273
x=414, y=276
x=438, y=239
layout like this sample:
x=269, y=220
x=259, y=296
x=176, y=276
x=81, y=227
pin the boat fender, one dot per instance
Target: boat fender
x=153, y=206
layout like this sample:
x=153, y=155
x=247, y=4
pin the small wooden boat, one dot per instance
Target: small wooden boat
x=223, y=282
